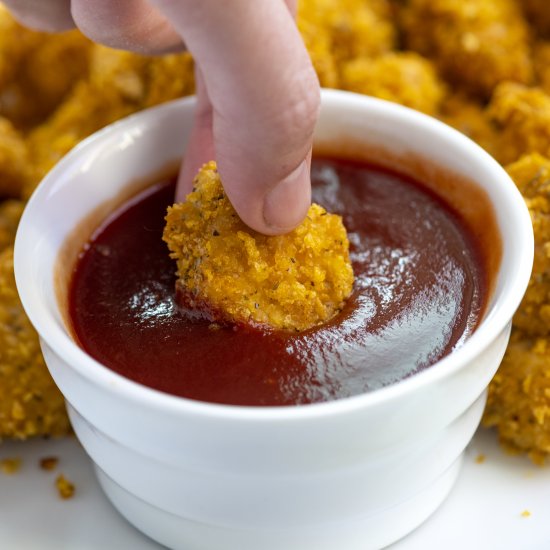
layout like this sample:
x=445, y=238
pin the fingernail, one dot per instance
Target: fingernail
x=286, y=205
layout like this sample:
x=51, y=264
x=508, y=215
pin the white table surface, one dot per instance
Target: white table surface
x=484, y=511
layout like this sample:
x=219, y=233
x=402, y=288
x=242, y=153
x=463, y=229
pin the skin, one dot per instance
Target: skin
x=258, y=95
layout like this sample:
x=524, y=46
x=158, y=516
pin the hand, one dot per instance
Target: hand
x=258, y=95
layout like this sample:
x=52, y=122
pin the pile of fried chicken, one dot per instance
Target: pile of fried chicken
x=482, y=66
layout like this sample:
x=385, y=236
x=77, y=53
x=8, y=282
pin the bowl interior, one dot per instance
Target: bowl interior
x=113, y=164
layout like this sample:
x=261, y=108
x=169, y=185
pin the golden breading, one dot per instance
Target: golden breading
x=291, y=282
x=522, y=118
x=169, y=77
x=30, y=403
x=541, y=62
x=142, y=80
x=518, y=404
x=469, y=117
x=532, y=176
x=475, y=43
x=45, y=75
x=14, y=161
x=119, y=84
x=335, y=31
x=403, y=77
x=15, y=42
x=10, y=213
x=538, y=14
x=87, y=109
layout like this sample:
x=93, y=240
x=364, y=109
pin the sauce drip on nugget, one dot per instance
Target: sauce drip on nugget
x=233, y=274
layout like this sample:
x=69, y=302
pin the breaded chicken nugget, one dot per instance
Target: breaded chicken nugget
x=14, y=161
x=45, y=75
x=532, y=176
x=15, y=42
x=335, y=31
x=522, y=118
x=538, y=14
x=541, y=62
x=475, y=43
x=87, y=109
x=119, y=84
x=10, y=213
x=143, y=80
x=469, y=117
x=518, y=404
x=402, y=77
x=291, y=282
x=30, y=403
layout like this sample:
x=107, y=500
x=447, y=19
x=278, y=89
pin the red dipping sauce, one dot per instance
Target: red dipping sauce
x=420, y=289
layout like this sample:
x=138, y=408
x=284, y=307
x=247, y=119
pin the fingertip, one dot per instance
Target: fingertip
x=286, y=204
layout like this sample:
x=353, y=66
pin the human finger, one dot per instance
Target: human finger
x=43, y=15
x=200, y=148
x=265, y=97
x=134, y=25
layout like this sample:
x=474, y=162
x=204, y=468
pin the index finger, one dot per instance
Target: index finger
x=265, y=98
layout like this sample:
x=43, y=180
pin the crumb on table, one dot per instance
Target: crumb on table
x=10, y=466
x=48, y=463
x=64, y=487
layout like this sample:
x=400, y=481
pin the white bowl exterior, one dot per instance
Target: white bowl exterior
x=271, y=469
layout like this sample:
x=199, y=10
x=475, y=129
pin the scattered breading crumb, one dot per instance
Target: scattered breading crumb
x=480, y=458
x=525, y=514
x=64, y=487
x=49, y=463
x=10, y=466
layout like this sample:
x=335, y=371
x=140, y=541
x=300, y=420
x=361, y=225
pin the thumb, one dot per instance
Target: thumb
x=265, y=98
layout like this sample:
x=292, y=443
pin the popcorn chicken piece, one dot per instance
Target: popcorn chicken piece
x=290, y=282
x=541, y=61
x=120, y=83
x=45, y=74
x=475, y=43
x=402, y=77
x=338, y=30
x=521, y=116
x=30, y=403
x=518, y=404
x=14, y=161
x=470, y=117
x=538, y=14
x=15, y=42
x=10, y=213
x=532, y=176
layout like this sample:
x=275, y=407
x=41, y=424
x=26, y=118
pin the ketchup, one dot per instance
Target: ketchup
x=419, y=292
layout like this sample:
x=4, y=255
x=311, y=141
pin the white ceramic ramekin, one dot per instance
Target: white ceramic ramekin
x=356, y=473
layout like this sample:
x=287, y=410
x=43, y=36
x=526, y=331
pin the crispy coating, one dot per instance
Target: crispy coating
x=291, y=282
x=30, y=403
x=142, y=80
x=475, y=43
x=335, y=31
x=14, y=160
x=518, y=404
x=541, y=62
x=15, y=43
x=522, y=118
x=10, y=213
x=538, y=14
x=45, y=75
x=532, y=176
x=119, y=84
x=87, y=109
x=469, y=116
x=402, y=77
